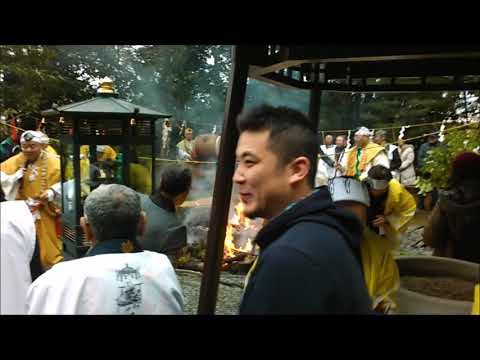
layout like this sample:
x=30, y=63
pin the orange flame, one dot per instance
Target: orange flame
x=238, y=221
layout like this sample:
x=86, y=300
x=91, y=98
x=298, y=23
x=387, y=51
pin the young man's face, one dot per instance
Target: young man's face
x=32, y=150
x=262, y=181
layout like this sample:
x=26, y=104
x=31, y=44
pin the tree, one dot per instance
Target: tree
x=32, y=79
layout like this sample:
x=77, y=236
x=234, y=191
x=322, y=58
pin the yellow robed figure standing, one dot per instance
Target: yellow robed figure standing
x=34, y=175
x=363, y=156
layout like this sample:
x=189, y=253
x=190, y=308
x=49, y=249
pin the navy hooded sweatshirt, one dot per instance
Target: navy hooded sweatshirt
x=309, y=262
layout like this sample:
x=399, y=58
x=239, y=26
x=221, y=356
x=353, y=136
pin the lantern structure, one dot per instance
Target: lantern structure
x=103, y=140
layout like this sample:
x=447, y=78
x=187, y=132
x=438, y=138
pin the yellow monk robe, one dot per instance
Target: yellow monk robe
x=140, y=178
x=380, y=271
x=357, y=165
x=400, y=208
x=39, y=177
x=476, y=300
x=51, y=150
x=108, y=153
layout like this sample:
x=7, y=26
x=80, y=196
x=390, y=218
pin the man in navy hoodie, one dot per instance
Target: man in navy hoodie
x=309, y=260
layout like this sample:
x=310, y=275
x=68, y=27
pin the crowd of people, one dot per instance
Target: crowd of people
x=326, y=247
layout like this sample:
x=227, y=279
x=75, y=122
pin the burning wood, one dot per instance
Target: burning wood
x=239, y=234
x=239, y=251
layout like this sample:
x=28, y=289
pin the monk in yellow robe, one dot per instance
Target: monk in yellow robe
x=34, y=175
x=380, y=271
x=363, y=156
x=392, y=206
x=185, y=147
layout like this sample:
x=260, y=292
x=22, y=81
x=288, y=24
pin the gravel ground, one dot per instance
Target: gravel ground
x=229, y=292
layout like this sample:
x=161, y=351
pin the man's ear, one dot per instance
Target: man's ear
x=299, y=169
x=142, y=224
x=87, y=230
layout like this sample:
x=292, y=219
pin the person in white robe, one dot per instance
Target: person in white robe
x=17, y=247
x=115, y=276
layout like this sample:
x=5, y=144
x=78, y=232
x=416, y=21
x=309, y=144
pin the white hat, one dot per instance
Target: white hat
x=348, y=189
x=35, y=136
x=363, y=131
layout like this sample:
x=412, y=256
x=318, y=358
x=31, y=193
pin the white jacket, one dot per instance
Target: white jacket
x=17, y=237
x=124, y=283
x=407, y=170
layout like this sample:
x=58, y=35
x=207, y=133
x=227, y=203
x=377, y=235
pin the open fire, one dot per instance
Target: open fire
x=239, y=234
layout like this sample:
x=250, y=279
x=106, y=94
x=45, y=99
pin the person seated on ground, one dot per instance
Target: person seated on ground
x=164, y=232
x=392, y=206
x=452, y=229
x=380, y=270
x=17, y=240
x=115, y=276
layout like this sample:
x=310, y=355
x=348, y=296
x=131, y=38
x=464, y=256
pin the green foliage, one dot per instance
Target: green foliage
x=438, y=160
x=31, y=80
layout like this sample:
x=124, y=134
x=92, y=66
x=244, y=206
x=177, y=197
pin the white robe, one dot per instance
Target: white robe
x=125, y=283
x=17, y=246
x=328, y=171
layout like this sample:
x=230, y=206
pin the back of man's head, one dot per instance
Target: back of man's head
x=380, y=172
x=175, y=180
x=113, y=212
x=292, y=134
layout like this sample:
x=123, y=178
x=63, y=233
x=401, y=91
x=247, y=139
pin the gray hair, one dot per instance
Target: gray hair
x=113, y=211
x=382, y=133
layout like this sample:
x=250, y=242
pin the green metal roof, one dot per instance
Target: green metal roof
x=102, y=104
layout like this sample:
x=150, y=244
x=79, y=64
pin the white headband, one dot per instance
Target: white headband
x=35, y=136
x=363, y=131
x=377, y=184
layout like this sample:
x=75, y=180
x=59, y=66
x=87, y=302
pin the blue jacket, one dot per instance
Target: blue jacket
x=309, y=262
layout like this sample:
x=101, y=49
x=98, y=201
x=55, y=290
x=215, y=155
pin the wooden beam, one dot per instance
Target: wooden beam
x=356, y=52
x=400, y=87
x=223, y=182
x=283, y=81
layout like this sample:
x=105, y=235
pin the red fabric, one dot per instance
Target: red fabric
x=14, y=133
x=58, y=226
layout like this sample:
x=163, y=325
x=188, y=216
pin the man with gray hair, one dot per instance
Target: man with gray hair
x=116, y=276
x=380, y=138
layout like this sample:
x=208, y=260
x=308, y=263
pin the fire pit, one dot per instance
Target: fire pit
x=239, y=251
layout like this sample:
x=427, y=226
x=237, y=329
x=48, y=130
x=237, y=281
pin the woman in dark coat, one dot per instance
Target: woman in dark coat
x=453, y=227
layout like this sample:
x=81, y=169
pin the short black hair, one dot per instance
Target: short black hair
x=176, y=179
x=380, y=172
x=292, y=134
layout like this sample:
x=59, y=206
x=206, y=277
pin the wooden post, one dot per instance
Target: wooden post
x=223, y=182
x=315, y=98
